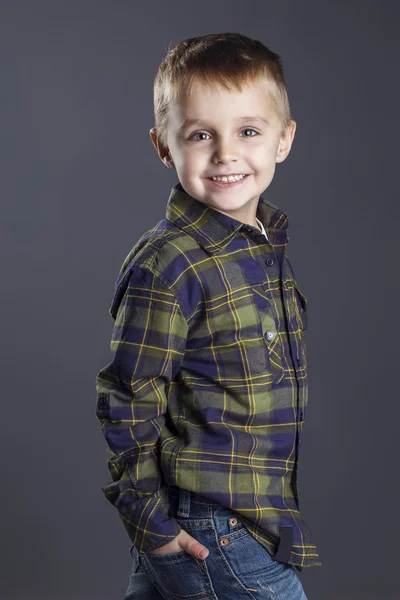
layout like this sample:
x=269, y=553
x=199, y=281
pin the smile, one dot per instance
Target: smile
x=227, y=181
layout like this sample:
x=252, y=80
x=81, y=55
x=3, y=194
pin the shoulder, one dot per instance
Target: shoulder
x=169, y=254
x=165, y=250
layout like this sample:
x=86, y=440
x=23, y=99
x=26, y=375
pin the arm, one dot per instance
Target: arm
x=148, y=342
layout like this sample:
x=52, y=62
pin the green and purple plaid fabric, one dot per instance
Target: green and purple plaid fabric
x=207, y=389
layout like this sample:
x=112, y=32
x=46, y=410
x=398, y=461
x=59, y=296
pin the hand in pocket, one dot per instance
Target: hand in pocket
x=184, y=542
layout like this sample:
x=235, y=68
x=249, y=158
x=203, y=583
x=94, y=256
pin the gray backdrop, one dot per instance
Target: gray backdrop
x=80, y=182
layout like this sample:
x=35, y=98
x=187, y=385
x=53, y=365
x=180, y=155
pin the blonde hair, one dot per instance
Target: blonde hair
x=228, y=59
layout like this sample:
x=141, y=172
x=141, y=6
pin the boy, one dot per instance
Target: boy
x=203, y=404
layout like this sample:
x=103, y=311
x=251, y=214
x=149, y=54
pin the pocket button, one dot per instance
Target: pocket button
x=269, y=335
x=224, y=541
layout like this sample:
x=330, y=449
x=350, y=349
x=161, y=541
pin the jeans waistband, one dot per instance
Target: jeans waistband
x=184, y=503
x=183, y=499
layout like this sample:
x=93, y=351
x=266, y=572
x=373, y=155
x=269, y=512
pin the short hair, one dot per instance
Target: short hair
x=228, y=59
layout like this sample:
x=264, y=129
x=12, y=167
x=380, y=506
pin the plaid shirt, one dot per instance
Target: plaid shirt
x=207, y=389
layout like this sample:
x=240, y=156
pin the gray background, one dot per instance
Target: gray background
x=80, y=182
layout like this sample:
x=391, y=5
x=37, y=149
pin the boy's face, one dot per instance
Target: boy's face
x=224, y=143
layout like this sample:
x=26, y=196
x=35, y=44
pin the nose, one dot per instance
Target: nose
x=224, y=152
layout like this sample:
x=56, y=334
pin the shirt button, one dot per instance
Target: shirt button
x=269, y=335
x=270, y=261
x=102, y=401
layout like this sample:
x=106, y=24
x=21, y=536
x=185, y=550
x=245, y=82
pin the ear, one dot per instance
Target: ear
x=162, y=151
x=285, y=143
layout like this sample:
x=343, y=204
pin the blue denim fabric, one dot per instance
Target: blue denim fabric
x=237, y=567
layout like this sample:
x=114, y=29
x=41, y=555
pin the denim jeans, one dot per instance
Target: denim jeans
x=238, y=567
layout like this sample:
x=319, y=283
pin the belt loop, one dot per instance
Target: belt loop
x=184, y=503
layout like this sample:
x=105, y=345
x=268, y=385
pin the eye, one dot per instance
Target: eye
x=250, y=129
x=199, y=133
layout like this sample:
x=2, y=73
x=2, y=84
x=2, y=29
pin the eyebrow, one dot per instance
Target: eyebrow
x=188, y=122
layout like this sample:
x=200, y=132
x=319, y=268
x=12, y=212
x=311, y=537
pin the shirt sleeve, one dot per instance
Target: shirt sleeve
x=148, y=342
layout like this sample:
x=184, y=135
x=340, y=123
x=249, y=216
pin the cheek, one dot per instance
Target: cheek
x=264, y=157
x=193, y=162
x=189, y=171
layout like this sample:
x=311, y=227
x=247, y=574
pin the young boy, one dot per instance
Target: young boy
x=204, y=402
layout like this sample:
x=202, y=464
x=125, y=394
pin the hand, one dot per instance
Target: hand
x=183, y=542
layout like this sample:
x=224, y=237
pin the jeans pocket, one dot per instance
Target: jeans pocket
x=248, y=559
x=178, y=575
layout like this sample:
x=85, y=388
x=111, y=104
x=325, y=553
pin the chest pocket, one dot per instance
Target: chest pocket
x=271, y=331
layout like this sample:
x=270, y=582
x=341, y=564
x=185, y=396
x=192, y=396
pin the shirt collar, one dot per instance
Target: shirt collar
x=214, y=230
x=262, y=227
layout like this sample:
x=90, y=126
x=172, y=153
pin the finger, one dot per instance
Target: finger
x=193, y=547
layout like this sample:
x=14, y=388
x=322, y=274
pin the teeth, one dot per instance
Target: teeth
x=230, y=178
